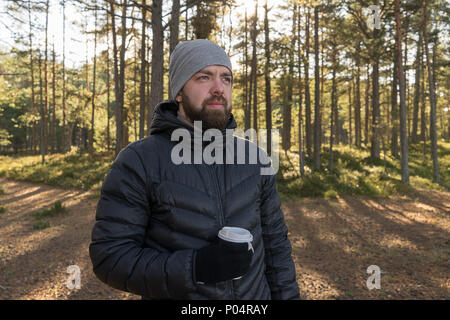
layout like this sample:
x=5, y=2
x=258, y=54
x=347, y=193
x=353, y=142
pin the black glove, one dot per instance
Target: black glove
x=222, y=260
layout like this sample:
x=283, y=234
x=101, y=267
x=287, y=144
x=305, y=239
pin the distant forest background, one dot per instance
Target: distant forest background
x=325, y=73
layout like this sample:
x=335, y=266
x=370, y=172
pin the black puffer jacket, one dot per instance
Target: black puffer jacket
x=153, y=214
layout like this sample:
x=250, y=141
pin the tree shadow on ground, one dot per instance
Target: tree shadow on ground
x=334, y=241
x=34, y=262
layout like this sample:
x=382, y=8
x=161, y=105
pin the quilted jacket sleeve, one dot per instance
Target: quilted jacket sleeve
x=116, y=251
x=280, y=269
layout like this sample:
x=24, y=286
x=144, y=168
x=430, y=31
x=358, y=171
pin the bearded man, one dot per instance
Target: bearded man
x=157, y=222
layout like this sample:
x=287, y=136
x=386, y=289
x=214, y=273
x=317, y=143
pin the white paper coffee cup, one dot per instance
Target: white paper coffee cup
x=236, y=235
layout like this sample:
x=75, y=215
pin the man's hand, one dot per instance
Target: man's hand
x=221, y=261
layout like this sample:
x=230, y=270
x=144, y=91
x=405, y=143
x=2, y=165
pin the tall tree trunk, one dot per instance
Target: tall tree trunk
x=333, y=105
x=317, y=129
x=267, y=81
x=135, y=96
x=300, y=96
x=148, y=76
x=255, y=69
x=423, y=124
x=118, y=107
x=125, y=137
x=322, y=86
x=358, y=100
x=247, y=90
x=46, y=131
x=157, y=85
x=53, y=123
x=375, y=146
x=287, y=108
x=91, y=132
x=336, y=128
x=350, y=141
x=108, y=86
x=414, y=135
x=186, y=26
x=42, y=111
x=308, y=126
x=432, y=93
x=82, y=130
x=394, y=107
x=434, y=67
x=367, y=112
x=448, y=113
x=174, y=26
x=45, y=114
x=33, y=102
x=142, y=96
x=401, y=79
x=405, y=73
x=65, y=142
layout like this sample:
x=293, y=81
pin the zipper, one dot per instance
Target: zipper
x=216, y=182
x=228, y=283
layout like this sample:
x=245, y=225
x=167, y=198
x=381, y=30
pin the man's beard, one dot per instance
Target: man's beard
x=211, y=118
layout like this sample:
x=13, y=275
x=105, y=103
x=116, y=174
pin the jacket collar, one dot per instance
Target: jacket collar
x=165, y=120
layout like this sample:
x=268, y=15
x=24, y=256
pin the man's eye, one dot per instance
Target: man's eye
x=227, y=80
x=203, y=78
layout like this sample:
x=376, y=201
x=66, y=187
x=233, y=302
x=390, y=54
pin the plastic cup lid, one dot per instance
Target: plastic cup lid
x=235, y=234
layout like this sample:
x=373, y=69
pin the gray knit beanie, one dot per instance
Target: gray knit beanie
x=189, y=57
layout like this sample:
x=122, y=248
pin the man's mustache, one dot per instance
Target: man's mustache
x=214, y=99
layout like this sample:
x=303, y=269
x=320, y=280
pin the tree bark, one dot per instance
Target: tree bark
x=336, y=128
x=42, y=111
x=414, y=134
x=108, y=86
x=267, y=81
x=142, y=96
x=350, y=141
x=118, y=107
x=375, y=146
x=432, y=93
x=358, y=101
x=316, y=92
x=255, y=69
x=157, y=74
x=124, y=110
x=401, y=79
x=247, y=90
x=45, y=111
x=333, y=106
x=287, y=107
x=92, y=132
x=33, y=103
x=308, y=129
x=53, y=123
x=367, y=112
x=174, y=26
x=65, y=142
x=394, y=107
x=423, y=120
x=300, y=96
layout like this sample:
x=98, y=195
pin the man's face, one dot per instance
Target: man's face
x=206, y=96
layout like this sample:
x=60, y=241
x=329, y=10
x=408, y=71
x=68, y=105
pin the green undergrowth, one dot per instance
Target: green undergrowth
x=355, y=173
x=40, y=216
x=71, y=170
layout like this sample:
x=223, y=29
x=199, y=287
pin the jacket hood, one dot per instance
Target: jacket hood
x=165, y=120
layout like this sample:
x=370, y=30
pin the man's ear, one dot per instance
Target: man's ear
x=178, y=98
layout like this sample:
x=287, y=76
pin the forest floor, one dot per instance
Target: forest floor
x=334, y=242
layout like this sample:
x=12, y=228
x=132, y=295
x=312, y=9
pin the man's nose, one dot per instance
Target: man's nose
x=217, y=87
